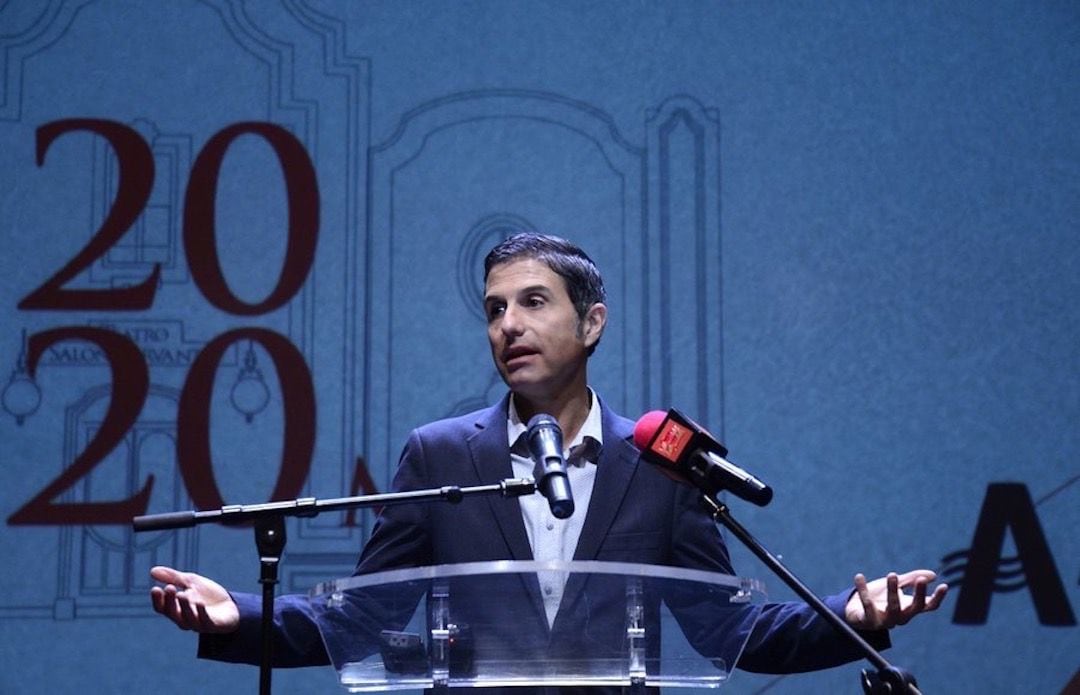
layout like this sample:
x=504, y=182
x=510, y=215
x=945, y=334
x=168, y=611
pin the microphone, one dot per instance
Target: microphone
x=682, y=447
x=544, y=437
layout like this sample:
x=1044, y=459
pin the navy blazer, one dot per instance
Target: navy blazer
x=636, y=514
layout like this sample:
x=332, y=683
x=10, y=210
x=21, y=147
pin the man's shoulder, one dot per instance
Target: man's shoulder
x=623, y=427
x=462, y=425
x=466, y=424
x=621, y=423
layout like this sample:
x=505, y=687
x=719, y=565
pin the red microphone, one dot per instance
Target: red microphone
x=647, y=426
x=686, y=451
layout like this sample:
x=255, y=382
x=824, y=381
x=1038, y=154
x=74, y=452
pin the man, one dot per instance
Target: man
x=544, y=302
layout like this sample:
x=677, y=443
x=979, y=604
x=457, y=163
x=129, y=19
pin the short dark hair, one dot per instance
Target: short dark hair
x=582, y=277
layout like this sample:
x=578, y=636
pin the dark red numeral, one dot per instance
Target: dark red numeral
x=193, y=422
x=200, y=242
x=136, y=177
x=130, y=384
x=130, y=377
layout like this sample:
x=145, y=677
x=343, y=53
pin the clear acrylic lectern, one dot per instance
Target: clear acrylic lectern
x=485, y=624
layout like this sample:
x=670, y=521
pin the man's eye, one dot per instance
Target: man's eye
x=534, y=301
x=495, y=310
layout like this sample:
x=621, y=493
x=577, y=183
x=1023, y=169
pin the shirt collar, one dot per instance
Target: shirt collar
x=591, y=429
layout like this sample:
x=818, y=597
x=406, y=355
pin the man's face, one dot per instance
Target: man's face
x=538, y=343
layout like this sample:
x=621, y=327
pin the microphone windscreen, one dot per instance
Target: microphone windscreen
x=646, y=427
x=541, y=419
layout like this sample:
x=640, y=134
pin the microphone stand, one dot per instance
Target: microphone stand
x=888, y=679
x=269, y=521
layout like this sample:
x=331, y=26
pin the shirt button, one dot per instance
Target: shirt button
x=548, y=590
x=550, y=525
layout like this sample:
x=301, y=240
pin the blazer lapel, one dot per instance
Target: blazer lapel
x=614, y=471
x=491, y=458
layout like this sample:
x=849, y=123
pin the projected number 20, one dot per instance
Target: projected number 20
x=130, y=374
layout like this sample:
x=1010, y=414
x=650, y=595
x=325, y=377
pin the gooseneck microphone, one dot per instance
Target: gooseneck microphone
x=544, y=437
x=683, y=448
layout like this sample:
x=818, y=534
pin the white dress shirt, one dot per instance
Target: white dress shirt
x=549, y=537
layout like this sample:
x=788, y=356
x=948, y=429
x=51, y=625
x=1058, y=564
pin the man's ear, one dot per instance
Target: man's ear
x=592, y=325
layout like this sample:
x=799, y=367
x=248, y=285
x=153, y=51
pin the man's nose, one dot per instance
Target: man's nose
x=511, y=322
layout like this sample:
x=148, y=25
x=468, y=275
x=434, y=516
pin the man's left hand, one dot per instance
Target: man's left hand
x=883, y=603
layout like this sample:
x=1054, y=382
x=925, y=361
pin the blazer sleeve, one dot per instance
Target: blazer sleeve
x=398, y=540
x=785, y=637
x=400, y=537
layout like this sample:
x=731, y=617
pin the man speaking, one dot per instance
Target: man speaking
x=544, y=303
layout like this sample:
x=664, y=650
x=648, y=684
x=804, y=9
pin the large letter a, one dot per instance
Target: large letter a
x=1009, y=506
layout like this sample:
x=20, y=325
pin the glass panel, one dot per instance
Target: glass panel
x=483, y=624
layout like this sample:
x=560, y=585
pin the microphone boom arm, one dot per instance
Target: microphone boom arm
x=232, y=514
x=888, y=679
x=269, y=521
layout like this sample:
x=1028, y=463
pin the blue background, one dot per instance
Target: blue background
x=841, y=234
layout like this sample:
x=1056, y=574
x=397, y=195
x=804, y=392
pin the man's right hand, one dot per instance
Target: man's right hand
x=193, y=602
